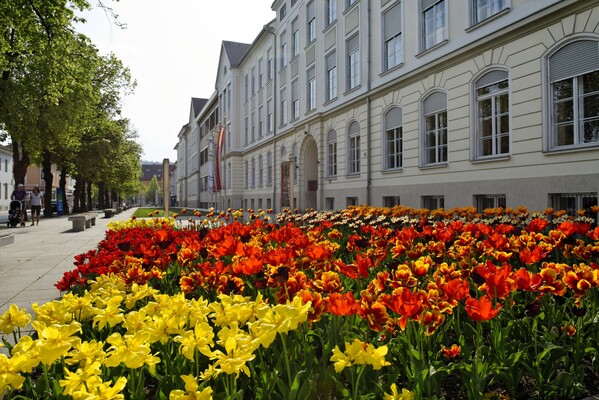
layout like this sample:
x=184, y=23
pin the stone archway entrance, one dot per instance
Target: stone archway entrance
x=309, y=186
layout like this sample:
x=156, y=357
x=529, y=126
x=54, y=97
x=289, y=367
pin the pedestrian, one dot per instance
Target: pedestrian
x=37, y=202
x=21, y=195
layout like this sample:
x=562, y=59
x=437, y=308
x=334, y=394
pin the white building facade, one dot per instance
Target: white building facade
x=425, y=103
x=7, y=183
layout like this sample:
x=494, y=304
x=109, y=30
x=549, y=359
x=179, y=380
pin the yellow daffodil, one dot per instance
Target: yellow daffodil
x=131, y=350
x=191, y=391
x=55, y=340
x=14, y=318
x=395, y=395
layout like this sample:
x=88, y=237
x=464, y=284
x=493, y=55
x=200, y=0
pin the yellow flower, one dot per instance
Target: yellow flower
x=395, y=395
x=86, y=353
x=137, y=293
x=131, y=350
x=25, y=356
x=55, y=340
x=79, y=306
x=135, y=321
x=9, y=377
x=239, y=348
x=359, y=353
x=52, y=313
x=191, y=387
x=160, y=329
x=14, y=318
x=111, y=315
x=200, y=338
x=74, y=381
x=96, y=389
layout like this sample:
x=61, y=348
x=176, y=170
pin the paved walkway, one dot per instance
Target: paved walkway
x=40, y=255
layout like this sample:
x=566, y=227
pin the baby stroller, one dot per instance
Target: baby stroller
x=16, y=214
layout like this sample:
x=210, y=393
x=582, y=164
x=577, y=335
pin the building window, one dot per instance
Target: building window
x=349, y=3
x=433, y=202
x=484, y=201
x=246, y=82
x=311, y=89
x=293, y=2
x=6, y=191
x=253, y=81
x=331, y=11
x=433, y=22
x=492, y=115
x=572, y=203
x=247, y=174
x=247, y=130
x=260, y=170
x=354, y=148
x=484, y=9
x=260, y=122
x=295, y=38
x=435, y=128
x=332, y=153
x=574, y=91
x=295, y=106
x=351, y=201
x=229, y=136
x=331, y=78
x=329, y=203
x=269, y=168
x=270, y=119
x=390, y=201
x=295, y=166
x=284, y=110
x=311, y=22
x=282, y=12
x=392, y=36
x=283, y=50
x=269, y=65
x=353, y=62
x=393, y=139
x=253, y=177
x=260, y=75
x=253, y=127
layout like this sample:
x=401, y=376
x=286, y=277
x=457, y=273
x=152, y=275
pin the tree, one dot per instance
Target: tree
x=153, y=192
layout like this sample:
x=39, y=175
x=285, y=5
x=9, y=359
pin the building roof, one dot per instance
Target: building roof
x=235, y=52
x=197, y=104
x=150, y=169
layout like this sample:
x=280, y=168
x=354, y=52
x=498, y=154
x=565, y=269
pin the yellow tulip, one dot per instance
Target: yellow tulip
x=395, y=395
x=131, y=350
x=9, y=377
x=200, y=338
x=191, y=387
x=55, y=340
x=14, y=318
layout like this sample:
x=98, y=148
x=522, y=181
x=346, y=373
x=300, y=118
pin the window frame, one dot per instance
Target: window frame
x=436, y=111
x=353, y=149
x=331, y=76
x=392, y=38
x=353, y=62
x=478, y=124
x=331, y=154
x=396, y=130
x=433, y=7
x=476, y=19
x=331, y=12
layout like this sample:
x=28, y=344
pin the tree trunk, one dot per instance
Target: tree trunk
x=48, y=179
x=82, y=197
x=77, y=194
x=63, y=186
x=90, y=203
x=20, y=163
x=101, y=200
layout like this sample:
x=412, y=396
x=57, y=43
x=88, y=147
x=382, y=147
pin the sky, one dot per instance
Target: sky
x=172, y=48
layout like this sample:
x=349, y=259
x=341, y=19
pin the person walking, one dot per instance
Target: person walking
x=20, y=194
x=37, y=202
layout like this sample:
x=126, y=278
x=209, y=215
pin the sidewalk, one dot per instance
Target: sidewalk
x=40, y=255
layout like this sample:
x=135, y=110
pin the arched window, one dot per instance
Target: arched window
x=574, y=95
x=332, y=153
x=353, y=136
x=434, y=110
x=393, y=142
x=492, y=124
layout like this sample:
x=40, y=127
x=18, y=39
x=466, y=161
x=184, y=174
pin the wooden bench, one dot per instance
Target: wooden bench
x=82, y=221
x=109, y=212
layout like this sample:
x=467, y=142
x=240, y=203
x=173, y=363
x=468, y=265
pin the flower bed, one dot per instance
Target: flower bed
x=360, y=303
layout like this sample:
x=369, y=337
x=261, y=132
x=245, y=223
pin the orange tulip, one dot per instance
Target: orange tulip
x=481, y=309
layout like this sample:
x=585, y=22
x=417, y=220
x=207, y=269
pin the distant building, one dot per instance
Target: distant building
x=149, y=170
x=7, y=183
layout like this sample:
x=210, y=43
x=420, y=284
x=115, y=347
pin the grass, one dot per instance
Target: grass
x=143, y=212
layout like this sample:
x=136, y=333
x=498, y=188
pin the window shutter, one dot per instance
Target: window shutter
x=354, y=129
x=310, y=11
x=331, y=61
x=352, y=44
x=393, y=118
x=574, y=59
x=428, y=3
x=491, y=77
x=435, y=102
x=332, y=136
x=392, y=21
